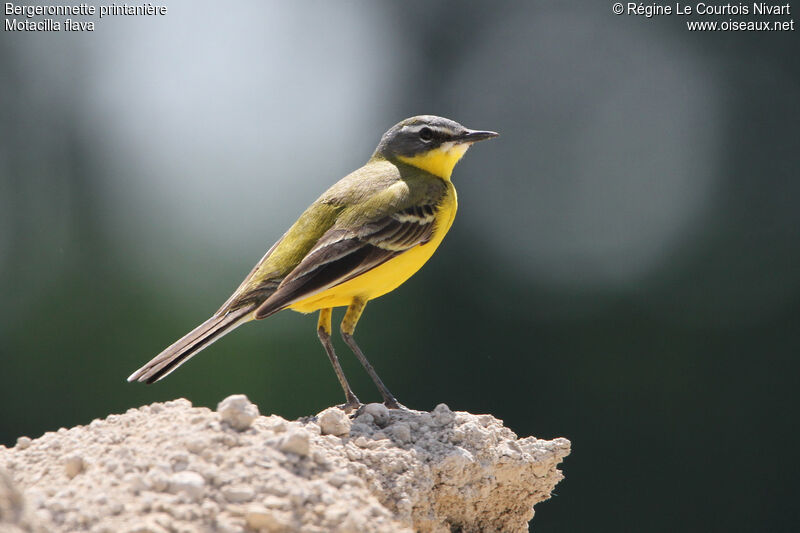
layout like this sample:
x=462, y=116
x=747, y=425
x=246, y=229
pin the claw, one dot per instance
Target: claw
x=393, y=404
x=351, y=406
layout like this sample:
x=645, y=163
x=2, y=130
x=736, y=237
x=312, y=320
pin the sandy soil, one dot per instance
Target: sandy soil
x=171, y=467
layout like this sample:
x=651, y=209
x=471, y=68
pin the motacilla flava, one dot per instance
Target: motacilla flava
x=362, y=238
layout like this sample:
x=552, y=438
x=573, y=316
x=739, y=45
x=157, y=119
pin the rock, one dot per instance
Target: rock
x=148, y=525
x=237, y=411
x=188, y=482
x=12, y=504
x=238, y=493
x=173, y=467
x=296, y=441
x=267, y=520
x=378, y=412
x=334, y=421
x=73, y=465
x=401, y=431
x=442, y=415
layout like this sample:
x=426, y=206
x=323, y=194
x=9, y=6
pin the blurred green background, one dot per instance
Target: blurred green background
x=624, y=270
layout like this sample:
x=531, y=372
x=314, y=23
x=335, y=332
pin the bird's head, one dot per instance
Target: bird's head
x=431, y=143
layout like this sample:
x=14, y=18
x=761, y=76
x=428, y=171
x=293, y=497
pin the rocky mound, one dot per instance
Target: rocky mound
x=171, y=467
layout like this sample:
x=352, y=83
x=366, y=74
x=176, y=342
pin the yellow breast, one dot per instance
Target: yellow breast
x=389, y=275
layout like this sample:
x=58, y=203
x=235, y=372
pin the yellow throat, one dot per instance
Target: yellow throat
x=439, y=161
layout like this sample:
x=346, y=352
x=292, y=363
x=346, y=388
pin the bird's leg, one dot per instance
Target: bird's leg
x=324, y=333
x=348, y=326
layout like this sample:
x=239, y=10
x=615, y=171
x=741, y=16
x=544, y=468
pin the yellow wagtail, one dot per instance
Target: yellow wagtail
x=362, y=238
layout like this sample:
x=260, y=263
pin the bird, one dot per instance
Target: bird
x=365, y=236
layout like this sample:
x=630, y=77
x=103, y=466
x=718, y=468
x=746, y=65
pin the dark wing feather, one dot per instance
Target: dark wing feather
x=342, y=254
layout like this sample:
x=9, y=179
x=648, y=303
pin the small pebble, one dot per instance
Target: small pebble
x=188, y=482
x=296, y=441
x=442, y=415
x=156, y=480
x=149, y=525
x=333, y=421
x=238, y=493
x=237, y=411
x=401, y=431
x=364, y=420
x=225, y=524
x=267, y=520
x=379, y=413
x=73, y=466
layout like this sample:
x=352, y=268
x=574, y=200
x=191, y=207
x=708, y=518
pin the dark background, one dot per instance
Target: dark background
x=624, y=270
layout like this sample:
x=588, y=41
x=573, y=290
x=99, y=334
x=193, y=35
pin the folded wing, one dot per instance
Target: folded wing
x=345, y=253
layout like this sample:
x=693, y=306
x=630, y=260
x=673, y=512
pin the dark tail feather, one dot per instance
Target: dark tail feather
x=188, y=345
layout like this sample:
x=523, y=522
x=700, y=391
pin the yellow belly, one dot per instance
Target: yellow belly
x=389, y=275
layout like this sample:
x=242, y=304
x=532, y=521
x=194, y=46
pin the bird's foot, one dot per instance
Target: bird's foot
x=392, y=403
x=352, y=405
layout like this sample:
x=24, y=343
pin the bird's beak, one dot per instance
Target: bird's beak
x=472, y=136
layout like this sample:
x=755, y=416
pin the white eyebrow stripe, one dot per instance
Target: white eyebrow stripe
x=417, y=127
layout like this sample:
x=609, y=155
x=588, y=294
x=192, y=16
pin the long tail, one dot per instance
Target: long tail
x=184, y=348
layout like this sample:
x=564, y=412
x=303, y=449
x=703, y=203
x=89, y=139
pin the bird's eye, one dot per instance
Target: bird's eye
x=426, y=134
